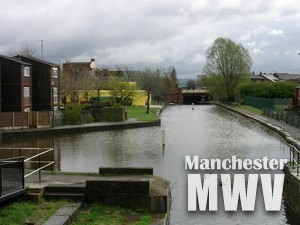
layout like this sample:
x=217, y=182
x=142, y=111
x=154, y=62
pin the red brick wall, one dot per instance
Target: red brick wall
x=174, y=95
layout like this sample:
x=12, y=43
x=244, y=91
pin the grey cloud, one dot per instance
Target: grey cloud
x=152, y=32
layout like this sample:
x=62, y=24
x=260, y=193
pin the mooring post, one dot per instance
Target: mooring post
x=163, y=138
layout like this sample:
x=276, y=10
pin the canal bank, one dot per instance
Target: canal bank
x=71, y=129
x=291, y=135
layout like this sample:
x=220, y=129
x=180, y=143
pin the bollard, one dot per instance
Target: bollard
x=163, y=138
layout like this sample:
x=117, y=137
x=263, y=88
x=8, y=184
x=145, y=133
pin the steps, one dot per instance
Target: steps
x=34, y=193
x=73, y=192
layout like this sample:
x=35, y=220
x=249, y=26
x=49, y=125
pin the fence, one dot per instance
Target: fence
x=35, y=159
x=288, y=117
x=35, y=119
x=11, y=176
x=264, y=102
x=295, y=158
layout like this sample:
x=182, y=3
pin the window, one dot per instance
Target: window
x=26, y=92
x=55, y=95
x=26, y=71
x=55, y=73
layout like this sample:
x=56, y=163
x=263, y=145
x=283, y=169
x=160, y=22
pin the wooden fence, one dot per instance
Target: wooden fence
x=17, y=120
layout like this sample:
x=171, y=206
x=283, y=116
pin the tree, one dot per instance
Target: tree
x=173, y=77
x=121, y=89
x=100, y=79
x=28, y=50
x=151, y=81
x=230, y=64
x=191, y=84
x=70, y=84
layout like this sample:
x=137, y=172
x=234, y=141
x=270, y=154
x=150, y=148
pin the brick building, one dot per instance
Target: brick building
x=45, y=84
x=16, y=85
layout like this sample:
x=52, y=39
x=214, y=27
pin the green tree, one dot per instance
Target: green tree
x=229, y=64
x=121, y=89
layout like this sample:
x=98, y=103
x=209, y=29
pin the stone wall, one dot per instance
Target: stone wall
x=292, y=189
x=133, y=194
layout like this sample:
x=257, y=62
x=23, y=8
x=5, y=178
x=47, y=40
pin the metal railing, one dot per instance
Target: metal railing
x=11, y=176
x=295, y=158
x=40, y=167
x=36, y=157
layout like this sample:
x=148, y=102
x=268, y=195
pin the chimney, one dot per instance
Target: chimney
x=93, y=64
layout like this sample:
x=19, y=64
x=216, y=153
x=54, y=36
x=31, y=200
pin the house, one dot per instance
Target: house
x=258, y=77
x=73, y=69
x=45, y=84
x=288, y=77
x=16, y=85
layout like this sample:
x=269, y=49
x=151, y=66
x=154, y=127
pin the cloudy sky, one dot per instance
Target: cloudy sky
x=154, y=33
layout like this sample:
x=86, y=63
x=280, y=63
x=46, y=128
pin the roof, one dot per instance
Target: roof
x=271, y=77
x=22, y=57
x=257, y=77
x=287, y=76
x=15, y=60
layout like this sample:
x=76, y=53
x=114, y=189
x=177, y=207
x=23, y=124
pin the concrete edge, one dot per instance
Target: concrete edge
x=64, y=215
x=39, y=132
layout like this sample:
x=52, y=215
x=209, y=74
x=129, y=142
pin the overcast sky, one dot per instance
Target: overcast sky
x=154, y=33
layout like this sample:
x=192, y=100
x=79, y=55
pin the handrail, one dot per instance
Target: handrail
x=38, y=155
x=44, y=152
x=16, y=183
x=39, y=162
x=295, y=160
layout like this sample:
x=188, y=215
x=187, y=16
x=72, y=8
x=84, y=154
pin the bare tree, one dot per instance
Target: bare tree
x=28, y=50
x=70, y=84
x=100, y=79
x=150, y=81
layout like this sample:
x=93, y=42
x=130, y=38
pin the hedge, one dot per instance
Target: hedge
x=113, y=113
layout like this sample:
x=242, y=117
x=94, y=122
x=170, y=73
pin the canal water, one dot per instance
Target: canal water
x=207, y=131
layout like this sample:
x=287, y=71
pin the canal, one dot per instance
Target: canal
x=207, y=131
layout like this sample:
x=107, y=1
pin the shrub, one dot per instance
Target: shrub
x=113, y=113
x=75, y=115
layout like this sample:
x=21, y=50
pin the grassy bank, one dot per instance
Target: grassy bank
x=140, y=114
x=37, y=213
x=21, y=212
x=250, y=109
x=100, y=214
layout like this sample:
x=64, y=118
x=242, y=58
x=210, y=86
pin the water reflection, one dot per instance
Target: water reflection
x=207, y=131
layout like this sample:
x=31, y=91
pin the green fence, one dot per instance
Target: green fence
x=289, y=117
x=261, y=103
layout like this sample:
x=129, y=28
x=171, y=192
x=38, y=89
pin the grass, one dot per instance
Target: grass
x=250, y=109
x=140, y=113
x=21, y=212
x=100, y=214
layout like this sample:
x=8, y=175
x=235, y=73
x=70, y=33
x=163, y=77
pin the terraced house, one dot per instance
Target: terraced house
x=45, y=84
x=16, y=85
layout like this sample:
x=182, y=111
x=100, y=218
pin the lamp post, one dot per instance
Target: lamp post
x=42, y=47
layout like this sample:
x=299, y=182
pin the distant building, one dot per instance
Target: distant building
x=16, y=85
x=288, y=77
x=258, y=77
x=45, y=84
x=72, y=69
